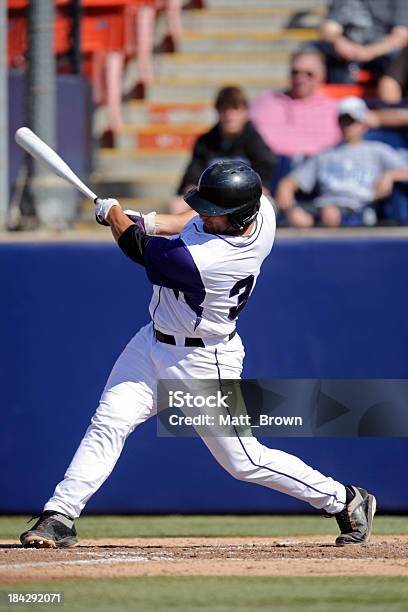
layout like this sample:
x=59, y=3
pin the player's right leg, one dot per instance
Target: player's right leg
x=127, y=400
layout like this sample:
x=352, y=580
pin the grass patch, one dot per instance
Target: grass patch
x=200, y=525
x=223, y=594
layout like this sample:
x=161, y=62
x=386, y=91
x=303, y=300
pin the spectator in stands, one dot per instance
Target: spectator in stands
x=172, y=9
x=233, y=137
x=363, y=33
x=300, y=121
x=393, y=86
x=348, y=178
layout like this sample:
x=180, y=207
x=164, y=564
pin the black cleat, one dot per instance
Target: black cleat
x=356, y=520
x=52, y=530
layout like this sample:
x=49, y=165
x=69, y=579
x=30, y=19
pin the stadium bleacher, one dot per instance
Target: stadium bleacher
x=224, y=42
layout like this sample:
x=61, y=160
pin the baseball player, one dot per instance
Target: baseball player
x=202, y=277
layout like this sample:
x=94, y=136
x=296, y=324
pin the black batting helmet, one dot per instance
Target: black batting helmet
x=227, y=188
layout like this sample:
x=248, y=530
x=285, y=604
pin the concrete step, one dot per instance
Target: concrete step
x=150, y=113
x=127, y=164
x=242, y=19
x=222, y=65
x=160, y=188
x=294, y=5
x=136, y=112
x=205, y=89
x=160, y=136
x=251, y=42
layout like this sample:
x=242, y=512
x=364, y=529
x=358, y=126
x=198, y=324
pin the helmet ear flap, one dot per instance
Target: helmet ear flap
x=241, y=220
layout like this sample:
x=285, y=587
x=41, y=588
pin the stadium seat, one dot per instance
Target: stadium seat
x=343, y=90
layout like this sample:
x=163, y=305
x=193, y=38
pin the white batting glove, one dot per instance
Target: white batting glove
x=149, y=220
x=102, y=208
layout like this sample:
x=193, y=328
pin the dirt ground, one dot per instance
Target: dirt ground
x=302, y=556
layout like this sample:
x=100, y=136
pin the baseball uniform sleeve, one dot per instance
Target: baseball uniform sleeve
x=133, y=242
x=170, y=264
x=306, y=174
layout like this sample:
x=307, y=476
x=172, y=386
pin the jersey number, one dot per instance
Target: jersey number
x=242, y=289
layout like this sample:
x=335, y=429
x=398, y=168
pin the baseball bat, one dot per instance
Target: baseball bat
x=37, y=148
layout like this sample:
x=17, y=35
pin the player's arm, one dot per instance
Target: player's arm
x=170, y=225
x=131, y=235
x=162, y=224
x=118, y=221
x=152, y=223
x=168, y=263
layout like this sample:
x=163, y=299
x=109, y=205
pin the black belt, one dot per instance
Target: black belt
x=167, y=339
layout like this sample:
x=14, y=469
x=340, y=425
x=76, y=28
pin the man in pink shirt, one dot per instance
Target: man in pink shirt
x=300, y=121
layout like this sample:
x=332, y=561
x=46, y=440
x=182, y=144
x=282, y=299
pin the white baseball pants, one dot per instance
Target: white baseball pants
x=129, y=399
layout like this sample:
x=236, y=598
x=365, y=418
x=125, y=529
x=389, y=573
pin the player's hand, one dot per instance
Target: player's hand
x=148, y=221
x=102, y=208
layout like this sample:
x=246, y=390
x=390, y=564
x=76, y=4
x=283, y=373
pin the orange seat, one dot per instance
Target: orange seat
x=166, y=140
x=110, y=30
x=62, y=33
x=365, y=76
x=342, y=90
x=106, y=25
x=18, y=38
x=103, y=29
x=13, y=5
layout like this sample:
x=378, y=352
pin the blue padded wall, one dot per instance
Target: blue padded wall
x=322, y=308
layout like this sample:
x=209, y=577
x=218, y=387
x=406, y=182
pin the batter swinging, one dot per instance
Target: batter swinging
x=202, y=278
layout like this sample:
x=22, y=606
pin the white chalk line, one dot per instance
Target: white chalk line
x=54, y=563
x=140, y=559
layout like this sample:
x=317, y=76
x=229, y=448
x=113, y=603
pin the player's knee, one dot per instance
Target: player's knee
x=242, y=470
x=103, y=423
x=101, y=429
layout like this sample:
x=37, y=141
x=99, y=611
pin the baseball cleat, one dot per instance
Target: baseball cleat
x=356, y=520
x=52, y=530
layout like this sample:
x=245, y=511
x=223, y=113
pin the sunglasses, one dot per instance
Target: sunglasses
x=308, y=73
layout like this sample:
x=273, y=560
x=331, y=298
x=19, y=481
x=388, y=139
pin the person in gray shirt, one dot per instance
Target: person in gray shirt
x=348, y=178
x=363, y=33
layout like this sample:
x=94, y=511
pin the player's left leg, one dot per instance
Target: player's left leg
x=245, y=458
